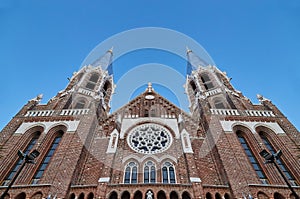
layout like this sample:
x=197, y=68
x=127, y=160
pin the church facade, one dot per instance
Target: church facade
x=150, y=148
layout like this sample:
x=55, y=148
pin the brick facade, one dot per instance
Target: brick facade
x=205, y=153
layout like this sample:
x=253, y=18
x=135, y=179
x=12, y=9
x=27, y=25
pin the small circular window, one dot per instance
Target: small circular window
x=149, y=138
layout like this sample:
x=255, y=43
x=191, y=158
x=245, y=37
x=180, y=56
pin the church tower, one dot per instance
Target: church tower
x=150, y=148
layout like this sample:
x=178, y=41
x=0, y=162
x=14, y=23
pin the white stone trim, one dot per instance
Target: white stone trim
x=195, y=179
x=228, y=126
x=71, y=126
x=186, y=145
x=130, y=122
x=113, y=148
x=102, y=180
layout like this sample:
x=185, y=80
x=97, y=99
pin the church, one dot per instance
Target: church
x=225, y=147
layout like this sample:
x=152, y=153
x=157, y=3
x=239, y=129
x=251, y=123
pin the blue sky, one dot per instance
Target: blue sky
x=43, y=42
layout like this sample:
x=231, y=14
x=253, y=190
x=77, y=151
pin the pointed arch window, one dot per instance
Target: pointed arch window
x=207, y=81
x=12, y=173
x=253, y=160
x=168, y=173
x=149, y=172
x=80, y=104
x=130, y=176
x=219, y=104
x=92, y=81
x=280, y=163
x=39, y=173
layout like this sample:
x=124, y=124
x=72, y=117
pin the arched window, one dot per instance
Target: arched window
x=90, y=195
x=173, y=195
x=208, y=195
x=81, y=196
x=13, y=171
x=207, y=82
x=280, y=163
x=186, y=195
x=125, y=195
x=113, y=195
x=92, y=81
x=227, y=196
x=262, y=195
x=193, y=86
x=37, y=195
x=252, y=159
x=80, y=104
x=278, y=196
x=219, y=104
x=21, y=196
x=149, y=172
x=168, y=173
x=218, y=196
x=72, y=196
x=161, y=195
x=130, y=173
x=138, y=195
x=39, y=173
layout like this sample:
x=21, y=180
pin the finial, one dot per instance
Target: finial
x=188, y=50
x=111, y=50
x=262, y=98
x=37, y=99
x=149, y=89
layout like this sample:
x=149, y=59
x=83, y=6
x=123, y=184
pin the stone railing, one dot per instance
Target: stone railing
x=234, y=112
x=64, y=112
x=224, y=112
x=86, y=92
x=170, y=116
x=36, y=113
x=212, y=92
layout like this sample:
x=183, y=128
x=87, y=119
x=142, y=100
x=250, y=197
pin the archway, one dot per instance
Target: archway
x=125, y=195
x=208, y=195
x=113, y=195
x=186, y=195
x=7, y=196
x=90, y=195
x=262, y=195
x=227, y=196
x=72, y=196
x=161, y=195
x=278, y=196
x=37, y=195
x=81, y=196
x=21, y=196
x=218, y=196
x=173, y=195
x=138, y=195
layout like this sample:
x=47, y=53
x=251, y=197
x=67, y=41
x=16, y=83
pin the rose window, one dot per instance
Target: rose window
x=149, y=138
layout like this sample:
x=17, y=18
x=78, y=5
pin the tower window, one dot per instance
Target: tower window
x=39, y=173
x=280, y=163
x=168, y=173
x=12, y=173
x=253, y=160
x=92, y=81
x=149, y=173
x=130, y=173
x=219, y=104
x=80, y=104
x=207, y=81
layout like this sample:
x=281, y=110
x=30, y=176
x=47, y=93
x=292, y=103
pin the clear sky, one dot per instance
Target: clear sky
x=43, y=42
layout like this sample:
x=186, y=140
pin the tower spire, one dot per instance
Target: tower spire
x=105, y=61
x=194, y=61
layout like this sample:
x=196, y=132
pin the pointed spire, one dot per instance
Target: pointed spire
x=194, y=61
x=149, y=88
x=105, y=62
